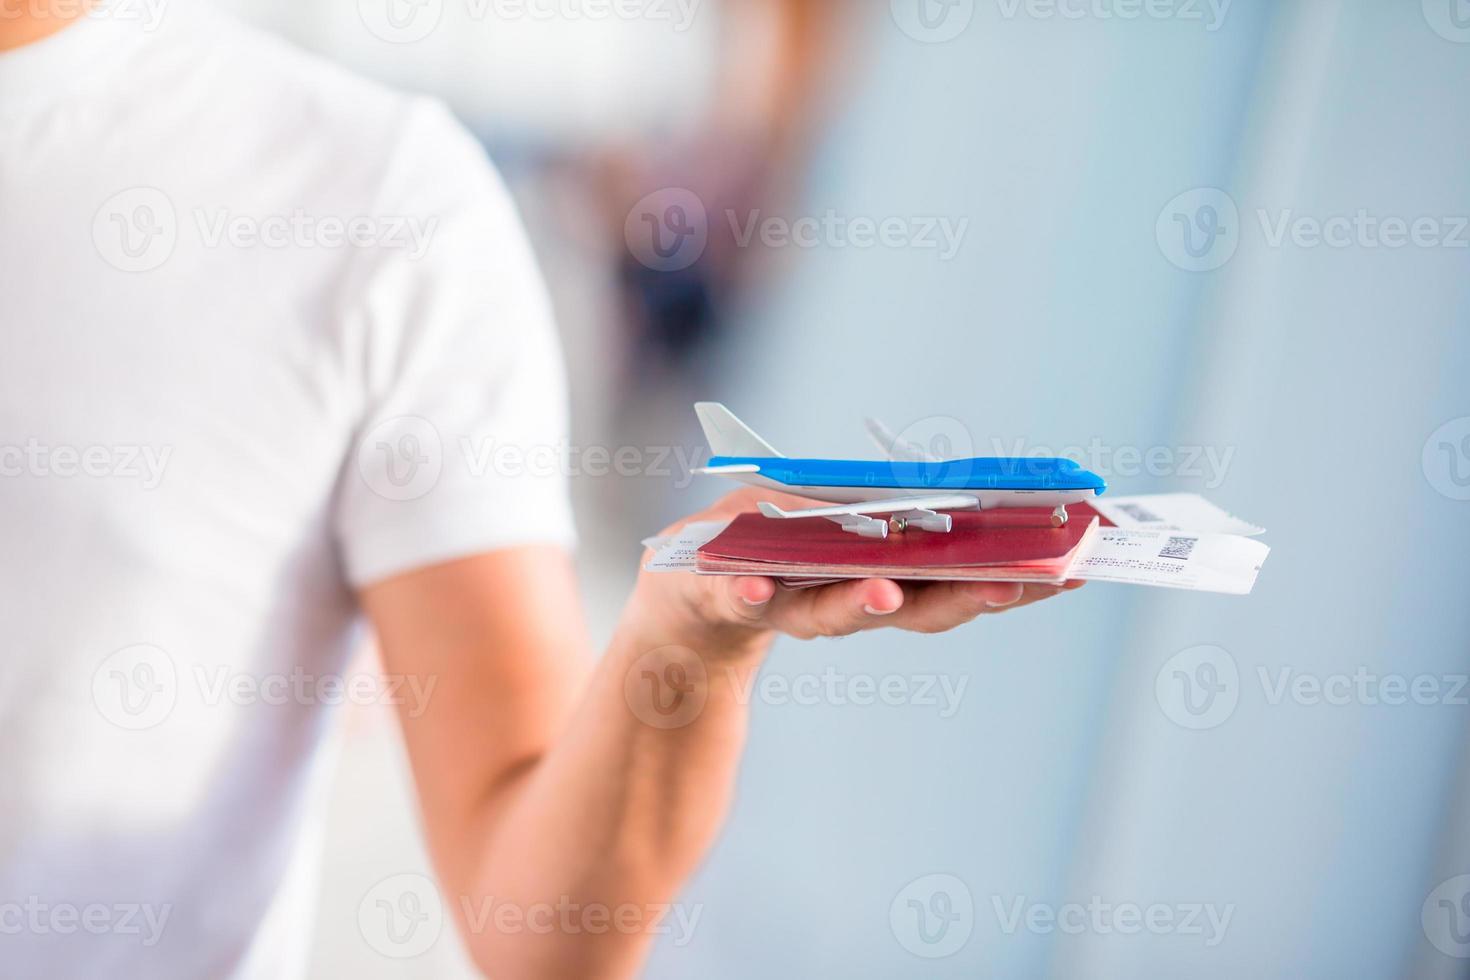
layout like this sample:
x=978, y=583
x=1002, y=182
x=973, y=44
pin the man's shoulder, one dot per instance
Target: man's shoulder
x=265, y=89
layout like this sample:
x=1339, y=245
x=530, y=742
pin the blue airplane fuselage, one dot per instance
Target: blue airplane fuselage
x=1020, y=474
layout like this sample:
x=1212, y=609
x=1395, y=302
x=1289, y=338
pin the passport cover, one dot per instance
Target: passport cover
x=982, y=543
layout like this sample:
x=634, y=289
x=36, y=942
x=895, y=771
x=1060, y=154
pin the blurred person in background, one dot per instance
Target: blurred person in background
x=742, y=157
x=289, y=295
x=675, y=209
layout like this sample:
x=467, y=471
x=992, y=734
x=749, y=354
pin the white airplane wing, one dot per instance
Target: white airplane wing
x=896, y=448
x=918, y=511
x=889, y=505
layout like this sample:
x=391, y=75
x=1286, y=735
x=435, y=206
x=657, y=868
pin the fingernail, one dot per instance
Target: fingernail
x=755, y=602
x=1001, y=605
x=878, y=612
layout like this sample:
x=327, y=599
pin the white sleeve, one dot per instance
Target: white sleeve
x=462, y=439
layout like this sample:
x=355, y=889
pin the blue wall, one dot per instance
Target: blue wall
x=1062, y=320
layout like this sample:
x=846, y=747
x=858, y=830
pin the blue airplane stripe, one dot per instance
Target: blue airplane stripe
x=985, y=473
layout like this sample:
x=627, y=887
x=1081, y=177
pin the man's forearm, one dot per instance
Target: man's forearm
x=564, y=813
x=583, y=854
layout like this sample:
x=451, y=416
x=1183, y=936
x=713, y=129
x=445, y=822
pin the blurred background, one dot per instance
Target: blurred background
x=1200, y=245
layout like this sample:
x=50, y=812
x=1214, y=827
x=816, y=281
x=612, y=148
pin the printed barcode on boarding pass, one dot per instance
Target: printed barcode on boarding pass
x=1180, y=548
x=1140, y=513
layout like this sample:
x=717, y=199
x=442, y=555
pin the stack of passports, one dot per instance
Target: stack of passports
x=1012, y=545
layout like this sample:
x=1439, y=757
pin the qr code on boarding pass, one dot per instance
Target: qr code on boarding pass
x=1180, y=548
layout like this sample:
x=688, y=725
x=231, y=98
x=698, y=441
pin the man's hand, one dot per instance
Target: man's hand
x=544, y=789
x=720, y=614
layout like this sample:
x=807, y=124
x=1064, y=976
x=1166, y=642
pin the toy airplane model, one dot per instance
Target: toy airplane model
x=911, y=486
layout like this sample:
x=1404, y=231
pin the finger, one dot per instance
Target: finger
x=743, y=600
x=934, y=607
x=1037, y=592
x=848, y=607
x=1032, y=594
x=838, y=610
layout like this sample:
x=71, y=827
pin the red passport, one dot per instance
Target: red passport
x=997, y=545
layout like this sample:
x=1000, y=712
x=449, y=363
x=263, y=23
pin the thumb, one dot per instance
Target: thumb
x=744, y=599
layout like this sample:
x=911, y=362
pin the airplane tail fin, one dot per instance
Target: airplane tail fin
x=728, y=436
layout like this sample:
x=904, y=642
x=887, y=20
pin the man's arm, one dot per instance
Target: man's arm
x=550, y=785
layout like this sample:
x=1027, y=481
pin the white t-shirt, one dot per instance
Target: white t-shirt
x=267, y=332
